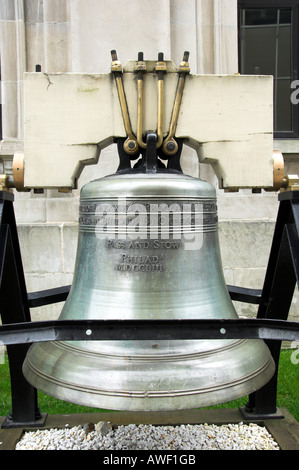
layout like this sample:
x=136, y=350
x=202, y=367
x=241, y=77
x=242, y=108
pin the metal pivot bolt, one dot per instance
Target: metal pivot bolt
x=130, y=145
x=170, y=145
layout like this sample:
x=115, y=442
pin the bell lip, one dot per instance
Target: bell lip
x=151, y=400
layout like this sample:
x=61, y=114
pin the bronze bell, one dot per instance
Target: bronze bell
x=148, y=249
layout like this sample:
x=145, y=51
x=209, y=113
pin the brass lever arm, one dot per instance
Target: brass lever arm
x=140, y=69
x=160, y=69
x=130, y=145
x=170, y=146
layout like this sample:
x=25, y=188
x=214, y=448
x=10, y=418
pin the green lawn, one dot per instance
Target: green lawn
x=288, y=391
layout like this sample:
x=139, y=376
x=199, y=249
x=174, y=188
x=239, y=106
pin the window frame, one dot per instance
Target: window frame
x=294, y=5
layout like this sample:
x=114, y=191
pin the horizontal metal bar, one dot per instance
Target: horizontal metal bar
x=74, y=330
x=48, y=296
x=243, y=294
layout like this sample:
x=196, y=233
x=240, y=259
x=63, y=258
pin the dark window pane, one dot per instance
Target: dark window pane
x=266, y=49
x=261, y=16
x=258, y=50
x=283, y=118
x=284, y=52
x=285, y=16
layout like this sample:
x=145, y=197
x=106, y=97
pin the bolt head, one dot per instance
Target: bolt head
x=170, y=146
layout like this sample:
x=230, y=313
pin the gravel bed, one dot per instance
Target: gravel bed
x=103, y=436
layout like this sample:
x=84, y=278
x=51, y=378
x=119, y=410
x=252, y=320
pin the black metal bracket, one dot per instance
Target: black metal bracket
x=281, y=277
x=274, y=299
x=14, y=308
x=151, y=160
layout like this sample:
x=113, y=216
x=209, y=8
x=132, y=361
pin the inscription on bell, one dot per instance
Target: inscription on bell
x=153, y=244
x=136, y=263
x=132, y=262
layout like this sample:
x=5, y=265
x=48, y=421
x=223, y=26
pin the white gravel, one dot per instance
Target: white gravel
x=103, y=436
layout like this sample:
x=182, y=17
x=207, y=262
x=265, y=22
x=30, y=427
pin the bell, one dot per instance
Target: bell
x=148, y=249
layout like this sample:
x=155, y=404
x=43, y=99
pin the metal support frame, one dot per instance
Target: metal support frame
x=14, y=308
x=274, y=299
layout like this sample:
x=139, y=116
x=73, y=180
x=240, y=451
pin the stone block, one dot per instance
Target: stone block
x=49, y=46
x=9, y=110
x=55, y=11
x=56, y=42
x=7, y=10
x=253, y=278
x=245, y=310
x=61, y=210
x=40, y=248
x=189, y=162
x=70, y=240
x=34, y=12
x=183, y=23
x=8, y=38
x=228, y=276
x=35, y=54
x=43, y=281
x=30, y=210
x=245, y=244
x=112, y=28
x=244, y=206
x=47, y=312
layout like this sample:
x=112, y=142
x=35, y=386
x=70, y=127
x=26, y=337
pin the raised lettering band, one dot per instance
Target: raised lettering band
x=154, y=218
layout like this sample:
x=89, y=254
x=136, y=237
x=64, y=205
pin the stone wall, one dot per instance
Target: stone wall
x=77, y=36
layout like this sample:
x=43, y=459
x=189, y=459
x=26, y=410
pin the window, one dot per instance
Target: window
x=268, y=45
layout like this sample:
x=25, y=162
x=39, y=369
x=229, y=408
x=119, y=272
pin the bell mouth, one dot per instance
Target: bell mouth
x=149, y=383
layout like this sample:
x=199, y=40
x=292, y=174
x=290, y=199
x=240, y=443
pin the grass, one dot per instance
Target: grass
x=287, y=391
